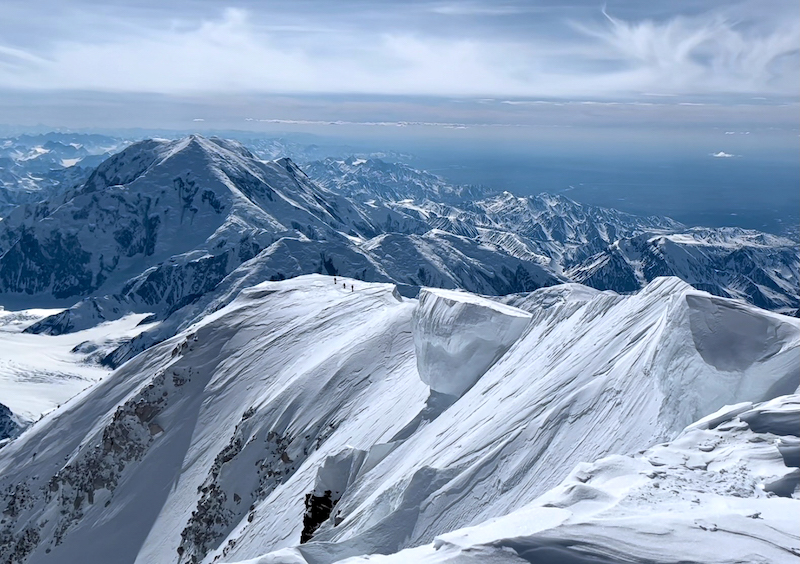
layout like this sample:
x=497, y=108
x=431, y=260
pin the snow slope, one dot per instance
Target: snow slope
x=297, y=412
x=243, y=385
x=725, y=492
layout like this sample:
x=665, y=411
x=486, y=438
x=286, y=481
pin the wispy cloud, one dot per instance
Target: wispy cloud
x=476, y=9
x=704, y=53
x=586, y=57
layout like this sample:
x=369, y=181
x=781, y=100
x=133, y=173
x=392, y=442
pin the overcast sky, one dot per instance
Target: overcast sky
x=391, y=60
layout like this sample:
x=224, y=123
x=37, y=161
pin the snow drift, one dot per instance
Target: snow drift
x=717, y=494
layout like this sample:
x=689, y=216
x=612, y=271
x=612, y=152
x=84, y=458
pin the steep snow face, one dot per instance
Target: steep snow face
x=458, y=336
x=221, y=431
x=724, y=491
x=222, y=443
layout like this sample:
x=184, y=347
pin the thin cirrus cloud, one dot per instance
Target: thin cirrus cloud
x=593, y=54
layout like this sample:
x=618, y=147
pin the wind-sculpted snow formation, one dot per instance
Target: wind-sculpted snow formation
x=305, y=420
x=719, y=493
x=292, y=425
x=458, y=336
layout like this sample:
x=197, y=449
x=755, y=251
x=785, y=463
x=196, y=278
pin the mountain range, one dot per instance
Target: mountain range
x=225, y=359
x=36, y=167
x=163, y=223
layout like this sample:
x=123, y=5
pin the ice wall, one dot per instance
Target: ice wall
x=459, y=336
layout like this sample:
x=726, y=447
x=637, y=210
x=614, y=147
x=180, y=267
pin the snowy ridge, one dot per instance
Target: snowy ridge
x=230, y=441
x=716, y=494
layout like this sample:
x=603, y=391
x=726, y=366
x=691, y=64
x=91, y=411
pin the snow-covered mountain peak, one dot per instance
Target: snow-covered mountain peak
x=205, y=204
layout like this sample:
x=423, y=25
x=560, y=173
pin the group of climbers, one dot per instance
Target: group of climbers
x=352, y=286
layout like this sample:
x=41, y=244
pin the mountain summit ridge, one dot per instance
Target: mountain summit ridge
x=215, y=444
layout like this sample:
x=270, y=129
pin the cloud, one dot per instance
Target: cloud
x=703, y=54
x=722, y=155
x=474, y=9
x=239, y=50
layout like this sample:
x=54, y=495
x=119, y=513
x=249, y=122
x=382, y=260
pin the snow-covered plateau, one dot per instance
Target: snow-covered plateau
x=312, y=421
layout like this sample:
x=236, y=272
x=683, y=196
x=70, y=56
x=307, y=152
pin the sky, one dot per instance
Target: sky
x=676, y=104
x=434, y=64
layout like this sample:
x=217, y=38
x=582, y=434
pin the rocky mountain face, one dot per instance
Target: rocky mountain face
x=9, y=426
x=162, y=221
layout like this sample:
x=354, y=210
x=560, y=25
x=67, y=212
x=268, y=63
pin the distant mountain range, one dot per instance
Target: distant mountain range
x=34, y=167
x=180, y=226
x=602, y=248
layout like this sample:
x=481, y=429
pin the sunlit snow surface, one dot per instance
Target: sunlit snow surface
x=39, y=372
x=720, y=494
x=458, y=336
x=206, y=445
